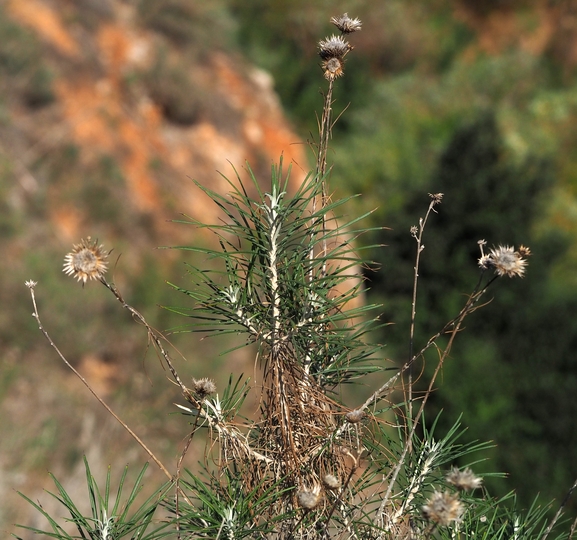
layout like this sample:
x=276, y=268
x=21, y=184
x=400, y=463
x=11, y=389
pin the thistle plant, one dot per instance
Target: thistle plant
x=306, y=464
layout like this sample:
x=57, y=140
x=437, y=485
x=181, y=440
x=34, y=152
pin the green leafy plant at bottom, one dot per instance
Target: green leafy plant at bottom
x=106, y=523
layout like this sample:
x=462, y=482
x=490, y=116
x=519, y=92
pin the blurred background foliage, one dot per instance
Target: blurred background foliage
x=477, y=100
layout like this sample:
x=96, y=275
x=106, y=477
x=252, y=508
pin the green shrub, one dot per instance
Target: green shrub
x=21, y=64
x=189, y=23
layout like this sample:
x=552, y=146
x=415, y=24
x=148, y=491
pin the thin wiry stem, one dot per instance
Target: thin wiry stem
x=158, y=339
x=177, y=475
x=559, y=512
x=325, y=134
x=418, y=235
x=469, y=307
x=325, y=129
x=573, y=527
x=456, y=324
x=92, y=391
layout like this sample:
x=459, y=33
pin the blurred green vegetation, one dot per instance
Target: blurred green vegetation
x=21, y=63
x=201, y=26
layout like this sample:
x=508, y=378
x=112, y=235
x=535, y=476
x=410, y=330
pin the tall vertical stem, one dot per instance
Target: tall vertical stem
x=321, y=168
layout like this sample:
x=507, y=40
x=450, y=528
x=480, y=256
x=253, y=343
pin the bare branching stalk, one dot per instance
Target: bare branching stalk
x=449, y=328
x=417, y=233
x=452, y=328
x=36, y=315
x=332, y=51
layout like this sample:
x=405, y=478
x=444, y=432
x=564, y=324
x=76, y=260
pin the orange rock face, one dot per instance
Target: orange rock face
x=103, y=107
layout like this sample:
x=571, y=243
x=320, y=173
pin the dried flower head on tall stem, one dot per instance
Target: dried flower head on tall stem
x=87, y=260
x=345, y=24
x=332, y=51
x=505, y=260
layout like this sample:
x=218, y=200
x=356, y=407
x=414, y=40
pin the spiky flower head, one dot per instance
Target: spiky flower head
x=203, y=387
x=345, y=24
x=464, y=480
x=505, y=260
x=524, y=251
x=87, y=260
x=443, y=508
x=333, y=68
x=333, y=47
x=333, y=50
x=436, y=197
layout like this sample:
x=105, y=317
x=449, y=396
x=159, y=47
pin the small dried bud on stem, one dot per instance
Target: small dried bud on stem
x=331, y=481
x=309, y=498
x=464, y=480
x=354, y=417
x=203, y=387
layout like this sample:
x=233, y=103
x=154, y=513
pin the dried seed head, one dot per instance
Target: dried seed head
x=309, y=499
x=505, y=260
x=331, y=481
x=463, y=480
x=30, y=284
x=354, y=417
x=443, y=508
x=524, y=251
x=333, y=68
x=333, y=47
x=414, y=230
x=87, y=260
x=485, y=262
x=508, y=262
x=436, y=197
x=345, y=24
x=203, y=387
